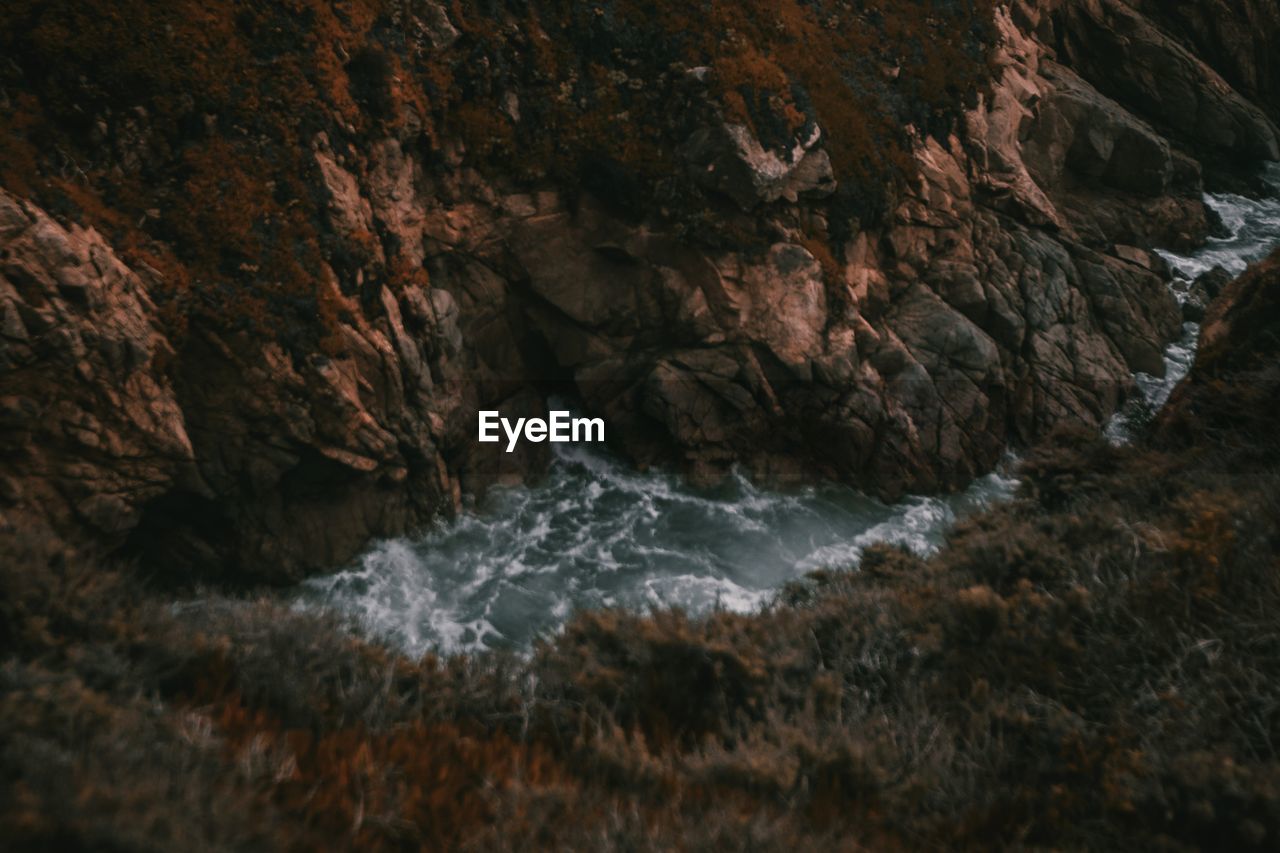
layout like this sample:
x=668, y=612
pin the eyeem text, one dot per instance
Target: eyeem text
x=558, y=428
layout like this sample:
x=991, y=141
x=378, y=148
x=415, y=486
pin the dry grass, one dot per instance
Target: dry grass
x=1095, y=665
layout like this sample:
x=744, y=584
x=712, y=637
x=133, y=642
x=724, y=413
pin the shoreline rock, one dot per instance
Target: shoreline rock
x=1009, y=289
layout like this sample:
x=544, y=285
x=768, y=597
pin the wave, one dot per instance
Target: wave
x=598, y=534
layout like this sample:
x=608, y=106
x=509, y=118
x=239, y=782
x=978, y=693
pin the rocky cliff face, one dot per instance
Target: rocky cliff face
x=1232, y=383
x=1240, y=40
x=1008, y=287
x=221, y=454
x=1133, y=60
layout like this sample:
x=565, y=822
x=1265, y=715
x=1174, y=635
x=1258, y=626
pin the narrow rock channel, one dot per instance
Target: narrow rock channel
x=598, y=534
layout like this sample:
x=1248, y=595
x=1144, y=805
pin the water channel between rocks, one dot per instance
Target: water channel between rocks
x=595, y=533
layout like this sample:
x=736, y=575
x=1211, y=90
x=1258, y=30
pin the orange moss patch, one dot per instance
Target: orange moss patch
x=821, y=250
x=183, y=130
x=838, y=55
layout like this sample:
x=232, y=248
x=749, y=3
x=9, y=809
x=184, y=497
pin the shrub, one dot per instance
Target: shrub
x=183, y=130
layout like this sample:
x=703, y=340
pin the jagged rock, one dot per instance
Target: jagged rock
x=241, y=459
x=1010, y=288
x=1124, y=54
x=435, y=23
x=729, y=158
x=996, y=130
x=91, y=422
x=1202, y=292
x=349, y=212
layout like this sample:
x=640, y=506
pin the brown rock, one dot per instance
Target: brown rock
x=1130, y=59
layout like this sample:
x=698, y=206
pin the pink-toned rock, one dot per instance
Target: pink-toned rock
x=93, y=426
x=1009, y=289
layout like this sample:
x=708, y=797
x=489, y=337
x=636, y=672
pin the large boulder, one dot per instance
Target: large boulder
x=1081, y=131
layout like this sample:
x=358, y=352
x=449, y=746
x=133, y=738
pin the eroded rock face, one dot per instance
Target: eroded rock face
x=91, y=424
x=1134, y=61
x=225, y=456
x=994, y=303
x=1240, y=39
x=1010, y=290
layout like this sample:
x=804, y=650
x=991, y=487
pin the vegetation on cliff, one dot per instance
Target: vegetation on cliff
x=1093, y=665
x=184, y=131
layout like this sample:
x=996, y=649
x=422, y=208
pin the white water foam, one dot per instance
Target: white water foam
x=599, y=534
x=1254, y=231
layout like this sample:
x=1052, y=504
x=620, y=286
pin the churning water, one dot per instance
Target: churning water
x=596, y=533
x=1253, y=226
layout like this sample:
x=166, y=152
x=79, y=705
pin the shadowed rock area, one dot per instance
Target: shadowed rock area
x=246, y=342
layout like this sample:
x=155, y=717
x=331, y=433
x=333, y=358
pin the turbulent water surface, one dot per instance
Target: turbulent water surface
x=1253, y=226
x=596, y=533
